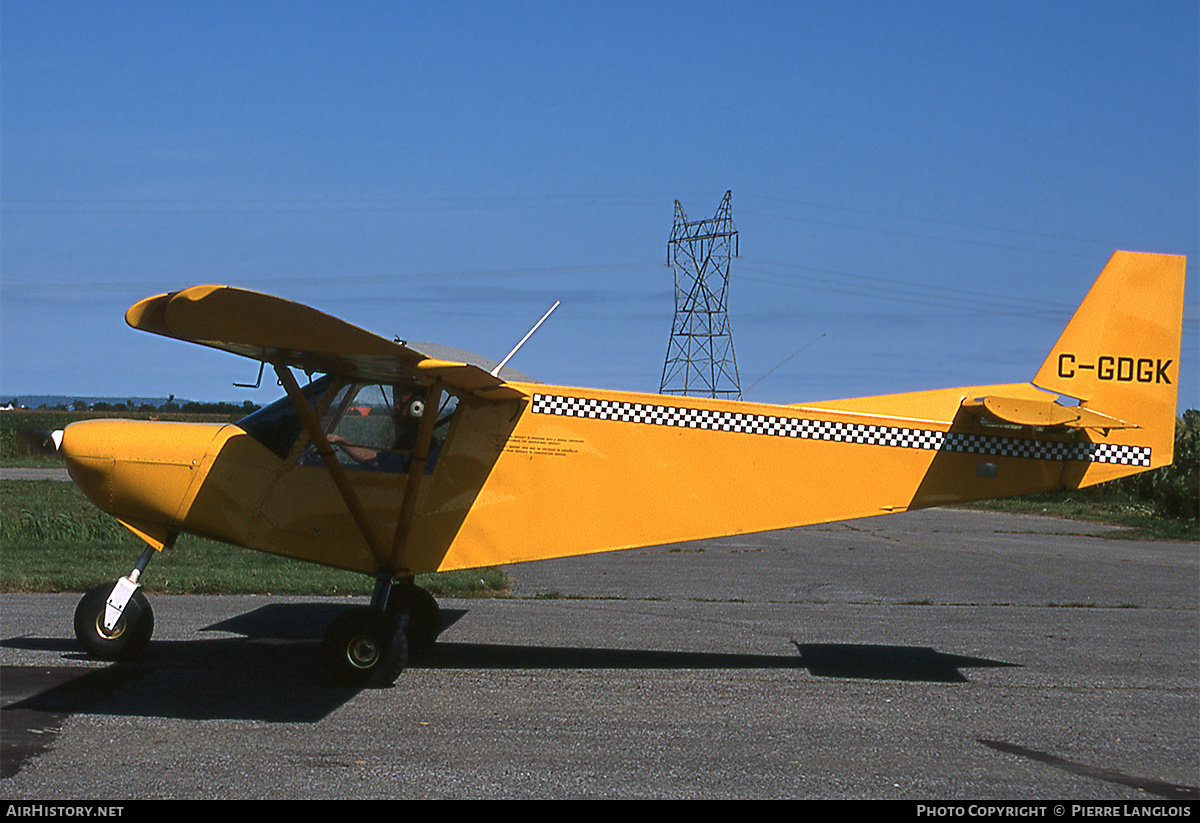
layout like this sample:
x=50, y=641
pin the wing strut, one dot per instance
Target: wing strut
x=416, y=471
x=313, y=426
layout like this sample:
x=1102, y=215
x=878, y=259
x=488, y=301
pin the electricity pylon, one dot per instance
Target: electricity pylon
x=700, y=360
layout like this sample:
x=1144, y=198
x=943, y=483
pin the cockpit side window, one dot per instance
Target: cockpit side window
x=374, y=428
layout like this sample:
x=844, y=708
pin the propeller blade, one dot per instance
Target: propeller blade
x=40, y=442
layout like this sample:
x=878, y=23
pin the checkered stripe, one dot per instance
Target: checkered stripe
x=1113, y=453
x=896, y=437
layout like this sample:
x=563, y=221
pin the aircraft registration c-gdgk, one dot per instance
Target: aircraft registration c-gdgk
x=406, y=458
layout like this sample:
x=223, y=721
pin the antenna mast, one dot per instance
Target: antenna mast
x=700, y=360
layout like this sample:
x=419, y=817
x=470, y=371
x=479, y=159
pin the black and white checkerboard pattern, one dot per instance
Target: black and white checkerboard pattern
x=896, y=437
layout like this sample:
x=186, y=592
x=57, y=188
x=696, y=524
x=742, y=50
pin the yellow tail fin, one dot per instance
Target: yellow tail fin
x=1119, y=356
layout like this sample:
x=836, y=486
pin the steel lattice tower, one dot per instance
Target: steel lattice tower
x=700, y=359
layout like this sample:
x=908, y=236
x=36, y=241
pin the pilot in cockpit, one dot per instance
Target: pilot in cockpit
x=407, y=410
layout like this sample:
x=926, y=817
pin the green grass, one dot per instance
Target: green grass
x=1142, y=519
x=53, y=539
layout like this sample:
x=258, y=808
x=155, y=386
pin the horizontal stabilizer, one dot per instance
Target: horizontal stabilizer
x=1026, y=412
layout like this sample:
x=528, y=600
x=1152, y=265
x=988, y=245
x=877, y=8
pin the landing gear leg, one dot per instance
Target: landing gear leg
x=424, y=617
x=114, y=622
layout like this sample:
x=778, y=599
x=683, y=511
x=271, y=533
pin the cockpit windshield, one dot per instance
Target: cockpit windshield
x=277, y=426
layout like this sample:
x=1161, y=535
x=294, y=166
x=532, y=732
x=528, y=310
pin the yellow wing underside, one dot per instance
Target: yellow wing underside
x=281, y=332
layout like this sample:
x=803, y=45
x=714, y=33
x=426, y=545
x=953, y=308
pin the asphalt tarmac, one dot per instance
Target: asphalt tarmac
x=942, y=655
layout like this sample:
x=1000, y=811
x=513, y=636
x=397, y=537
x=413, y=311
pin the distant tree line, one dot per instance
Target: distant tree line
x=189, y=407
x=169, y=405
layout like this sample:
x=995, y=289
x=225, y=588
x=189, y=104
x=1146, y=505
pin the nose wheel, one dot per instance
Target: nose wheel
x=104, y=639
x=114, y=621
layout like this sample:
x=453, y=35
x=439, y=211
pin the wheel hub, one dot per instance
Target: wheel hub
x=107, y=634
x=362, y=652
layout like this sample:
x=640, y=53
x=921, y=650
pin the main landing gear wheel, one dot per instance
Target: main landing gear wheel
x=126, y=639
x=424, y=622
x=365, y=647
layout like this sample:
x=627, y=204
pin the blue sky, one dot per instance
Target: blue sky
x=923, y=190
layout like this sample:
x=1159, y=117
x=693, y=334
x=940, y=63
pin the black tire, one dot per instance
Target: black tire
x=424, y=622
x=128, y=637
x=363, y=647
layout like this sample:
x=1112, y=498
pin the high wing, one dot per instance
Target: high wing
x=283, y=333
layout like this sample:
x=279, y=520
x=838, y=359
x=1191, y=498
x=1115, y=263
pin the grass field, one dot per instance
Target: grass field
x=1141, y=519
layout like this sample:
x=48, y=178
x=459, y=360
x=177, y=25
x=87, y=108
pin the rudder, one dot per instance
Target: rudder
x=1119, y=356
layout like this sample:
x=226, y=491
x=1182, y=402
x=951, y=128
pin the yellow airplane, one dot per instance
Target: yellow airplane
x=405, y=458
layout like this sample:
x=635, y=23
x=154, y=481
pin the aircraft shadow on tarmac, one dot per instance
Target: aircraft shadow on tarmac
x=271, y=672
